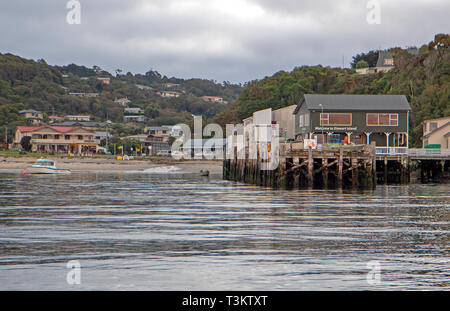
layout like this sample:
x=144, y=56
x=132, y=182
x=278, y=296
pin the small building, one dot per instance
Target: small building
x=171, y=85
x=385, y=62
x=104, y=80
x=134, y=115
x=354, y=119
x=436, y=133
x=84, y=94
x=258, y=127
x=168, y=94
x=214, y=99
x=123, y=101
x=54, y=119
x=164, y=131
x=58, y=139
x=133, y=111
x=32, y=116
x=80, y=117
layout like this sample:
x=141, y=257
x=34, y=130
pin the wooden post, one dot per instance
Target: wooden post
x=340, y=165
x=296, y=174
x=310, y=167
x=354, y=162
x=385, y=171
x=325, y=173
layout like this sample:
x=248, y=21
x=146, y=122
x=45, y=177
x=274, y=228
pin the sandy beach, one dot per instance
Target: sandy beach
x=8, y=163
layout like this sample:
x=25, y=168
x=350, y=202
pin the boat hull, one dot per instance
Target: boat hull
x=48, y=170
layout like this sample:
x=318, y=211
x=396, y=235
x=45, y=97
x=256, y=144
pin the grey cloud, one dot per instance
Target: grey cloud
x=185, y=39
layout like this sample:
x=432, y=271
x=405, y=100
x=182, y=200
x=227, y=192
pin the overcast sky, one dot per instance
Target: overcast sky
x=233, y=40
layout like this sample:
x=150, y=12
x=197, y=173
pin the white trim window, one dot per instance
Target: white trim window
x=301, y=120
x=382, y=119
x=334, y=118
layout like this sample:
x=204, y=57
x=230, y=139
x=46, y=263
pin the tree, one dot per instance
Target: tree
x=362, y=64
x=371, y=58
x=25, y=142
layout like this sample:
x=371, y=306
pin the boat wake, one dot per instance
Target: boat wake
x=162, y=170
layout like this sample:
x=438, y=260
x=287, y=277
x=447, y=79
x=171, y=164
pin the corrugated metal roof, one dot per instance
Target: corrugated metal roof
x=355, y=102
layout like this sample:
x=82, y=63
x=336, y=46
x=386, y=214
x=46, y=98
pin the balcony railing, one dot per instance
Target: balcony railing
x=429, y=153
x=391, y=150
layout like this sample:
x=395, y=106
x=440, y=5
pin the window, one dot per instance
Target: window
x=66, y=137
x=382, y=119
x=344, y=119
x=301, y=120
x=433, y=125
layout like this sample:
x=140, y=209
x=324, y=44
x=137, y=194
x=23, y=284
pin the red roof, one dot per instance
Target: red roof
x=28, y=128
x=61, y=129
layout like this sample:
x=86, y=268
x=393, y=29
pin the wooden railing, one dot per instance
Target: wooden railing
x=391, y=150
x=429, y=153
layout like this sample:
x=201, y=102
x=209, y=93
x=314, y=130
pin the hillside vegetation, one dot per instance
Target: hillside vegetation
x=423, y=78
x=30, y=84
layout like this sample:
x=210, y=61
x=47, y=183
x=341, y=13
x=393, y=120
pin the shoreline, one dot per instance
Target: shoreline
x=82, y=164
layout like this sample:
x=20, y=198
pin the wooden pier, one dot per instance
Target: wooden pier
x=345, y=166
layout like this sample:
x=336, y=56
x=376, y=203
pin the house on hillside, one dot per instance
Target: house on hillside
x=104, y=80
x=385, y=62
x=133, y=115
x=163, y=131
x=436, y=133
x=356, y=119
x=79, y=117
x=168, y=94
x=124, y=101
x=214, y=99
x=54, y=118
x=58, y=139
x=32, y=116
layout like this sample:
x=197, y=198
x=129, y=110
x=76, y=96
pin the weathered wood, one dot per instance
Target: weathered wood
x=310, y=167
x=298, y=168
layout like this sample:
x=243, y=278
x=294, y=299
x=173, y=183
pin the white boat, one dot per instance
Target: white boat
x=45, y=166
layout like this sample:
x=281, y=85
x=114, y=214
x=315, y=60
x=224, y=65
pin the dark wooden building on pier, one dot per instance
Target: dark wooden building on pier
x=363, y=119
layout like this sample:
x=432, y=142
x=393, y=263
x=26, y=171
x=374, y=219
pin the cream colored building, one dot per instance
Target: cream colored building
x=78, y=117
x=58, y=139
x=437, y=132
x=32, y=116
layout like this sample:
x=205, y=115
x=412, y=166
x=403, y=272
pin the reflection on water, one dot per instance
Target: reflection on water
x=183, y=232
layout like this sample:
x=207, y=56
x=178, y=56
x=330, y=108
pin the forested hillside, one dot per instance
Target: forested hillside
x=30, y=84
x=423, y=78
